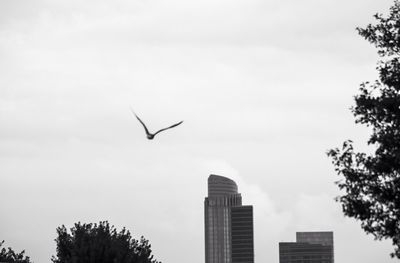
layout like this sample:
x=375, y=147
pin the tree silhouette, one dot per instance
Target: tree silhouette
x=371, y=182
x=8, y=255
x=100, y=243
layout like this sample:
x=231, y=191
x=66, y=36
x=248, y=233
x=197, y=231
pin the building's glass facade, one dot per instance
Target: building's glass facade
x=222, y=197
x=323, y=238
x=242, y=234
x=293, y=252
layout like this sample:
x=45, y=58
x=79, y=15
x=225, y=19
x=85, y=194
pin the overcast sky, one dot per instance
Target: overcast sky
x=264, y=88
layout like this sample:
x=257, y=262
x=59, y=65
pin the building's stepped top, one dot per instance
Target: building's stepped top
x=220, y=185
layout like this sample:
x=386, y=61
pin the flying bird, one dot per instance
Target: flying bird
x=149, y=135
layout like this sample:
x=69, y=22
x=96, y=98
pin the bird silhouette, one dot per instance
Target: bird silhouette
x=149, y=135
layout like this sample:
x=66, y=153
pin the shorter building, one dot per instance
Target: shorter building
x=310, y=247
x=323, y=238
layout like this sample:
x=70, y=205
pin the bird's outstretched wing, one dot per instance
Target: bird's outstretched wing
x=172, y=126
x=144, y=126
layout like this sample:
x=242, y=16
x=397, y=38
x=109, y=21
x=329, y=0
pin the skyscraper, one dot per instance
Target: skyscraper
x=228, y=224
x=310, y=247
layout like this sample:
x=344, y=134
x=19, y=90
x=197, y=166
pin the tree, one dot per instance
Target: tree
x=8, y=255
x=100, y=243
x=371, y=182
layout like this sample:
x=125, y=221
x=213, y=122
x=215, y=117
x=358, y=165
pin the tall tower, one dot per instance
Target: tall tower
x=227, y=222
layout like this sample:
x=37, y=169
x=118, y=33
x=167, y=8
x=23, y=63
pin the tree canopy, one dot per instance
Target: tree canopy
x=371, y=182
x=8, y=255
x=100, y=243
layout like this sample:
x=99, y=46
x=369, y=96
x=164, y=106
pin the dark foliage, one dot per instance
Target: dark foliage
x=100, y=243
x=371, y=182
x=8, y=255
